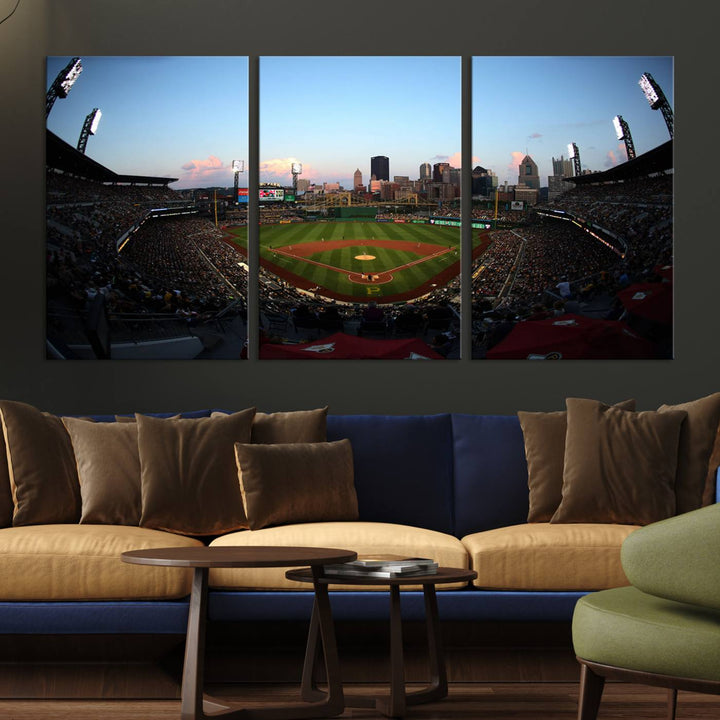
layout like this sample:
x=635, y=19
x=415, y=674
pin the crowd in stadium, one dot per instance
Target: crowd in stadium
x=65, y=188
x=181, y=265
x=521, y=273
x=170, y=265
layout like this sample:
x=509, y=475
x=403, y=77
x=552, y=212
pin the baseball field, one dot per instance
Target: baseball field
x=359, y=261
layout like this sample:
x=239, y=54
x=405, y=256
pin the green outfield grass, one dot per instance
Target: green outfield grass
x=336, y=263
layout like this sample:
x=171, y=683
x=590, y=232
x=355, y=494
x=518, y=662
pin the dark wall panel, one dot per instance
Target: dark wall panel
x=224, y=27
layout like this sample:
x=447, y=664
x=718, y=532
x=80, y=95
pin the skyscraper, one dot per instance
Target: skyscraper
x=439, y=172
x=562, y=167
x=357, y=179
x=528, y=173
x=425, y=171
x=380, y=167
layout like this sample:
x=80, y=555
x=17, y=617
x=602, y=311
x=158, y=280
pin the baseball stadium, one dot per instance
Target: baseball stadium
x=137, y=270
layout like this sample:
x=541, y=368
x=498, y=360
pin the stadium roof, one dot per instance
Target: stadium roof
x=656, y=160
x=62, y=156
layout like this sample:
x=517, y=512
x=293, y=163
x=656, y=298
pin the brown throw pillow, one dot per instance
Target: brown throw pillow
x=619, y=466
x=544, y=436
x=297, y=483
x=697, y=439
x=6, y=500
x=108, y=466
x=296, y=426
x=188, y=474
x=41, y=466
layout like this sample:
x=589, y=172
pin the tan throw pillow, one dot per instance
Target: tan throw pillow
x=41, y=466
x=697, y=438
x=108, y=466
x=619, y=466
x=188, y=474
x=6, y=501
x=296, y=426
x=544, y=436
x=297, y=483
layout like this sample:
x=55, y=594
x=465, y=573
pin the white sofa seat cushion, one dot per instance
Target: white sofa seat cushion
x=82, y=562
x=548, y=556
x=365, y=538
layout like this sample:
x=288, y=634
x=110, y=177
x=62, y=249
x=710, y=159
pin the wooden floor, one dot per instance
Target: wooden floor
x=469, y=701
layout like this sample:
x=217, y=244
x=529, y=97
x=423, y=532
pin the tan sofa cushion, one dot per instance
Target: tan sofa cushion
x=365, y=538
x=82, y=562
x=545, y=556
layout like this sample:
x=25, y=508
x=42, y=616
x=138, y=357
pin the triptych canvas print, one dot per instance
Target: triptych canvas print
x=362, y=242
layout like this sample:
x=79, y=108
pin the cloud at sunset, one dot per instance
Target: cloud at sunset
x=516, y=159
x=277, y=170
x=208, y=172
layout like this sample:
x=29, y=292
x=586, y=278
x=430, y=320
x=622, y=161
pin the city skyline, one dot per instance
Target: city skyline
x=332, y=114
x=538, y=105
x=186, y=117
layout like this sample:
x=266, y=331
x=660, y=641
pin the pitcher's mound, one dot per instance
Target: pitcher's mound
x=364, y=257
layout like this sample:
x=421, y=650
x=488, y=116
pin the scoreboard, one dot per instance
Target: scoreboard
x=272, y=194
x=265, y=195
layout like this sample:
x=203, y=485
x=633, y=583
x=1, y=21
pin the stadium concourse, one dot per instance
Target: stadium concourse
x=600, y=252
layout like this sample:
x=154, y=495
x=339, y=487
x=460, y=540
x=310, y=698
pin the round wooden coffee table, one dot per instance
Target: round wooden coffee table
x=395, y=704
x=193, y=705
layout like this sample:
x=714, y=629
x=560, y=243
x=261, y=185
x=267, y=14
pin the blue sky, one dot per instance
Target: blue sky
x=540, y=104
x=180, y=117
x=333, y=114
x=186, y=117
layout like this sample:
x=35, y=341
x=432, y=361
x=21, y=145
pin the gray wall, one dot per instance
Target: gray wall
x=226, y=27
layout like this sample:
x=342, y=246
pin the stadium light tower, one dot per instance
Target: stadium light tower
x=622, y=130
x=574, y=155
x=89, y=128
x=238, y=166
x=296, y=170
x=63, y=82
x=656, y=97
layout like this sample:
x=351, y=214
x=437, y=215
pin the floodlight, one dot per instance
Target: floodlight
x=623, y=133
x=296, y=169
x=63, y=82
x=69, y=75
x=656, y=97
x=617, y=122
x=97, y=114
x=651, y=89
x=89, y=127
x=574, y=155
x=238, y=166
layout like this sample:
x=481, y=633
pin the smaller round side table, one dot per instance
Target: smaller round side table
x=395, y=704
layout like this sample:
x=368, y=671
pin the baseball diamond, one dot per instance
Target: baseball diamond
x=360, y=261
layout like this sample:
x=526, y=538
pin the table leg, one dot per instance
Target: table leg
x=398, y=700
x=438, y=687
x=193, y=669
x=394, y=706
x=196, y=707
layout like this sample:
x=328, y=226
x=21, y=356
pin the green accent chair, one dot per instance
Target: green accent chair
x=664, y=629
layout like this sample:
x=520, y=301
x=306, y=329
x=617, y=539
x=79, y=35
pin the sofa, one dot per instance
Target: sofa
x=453, y=487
